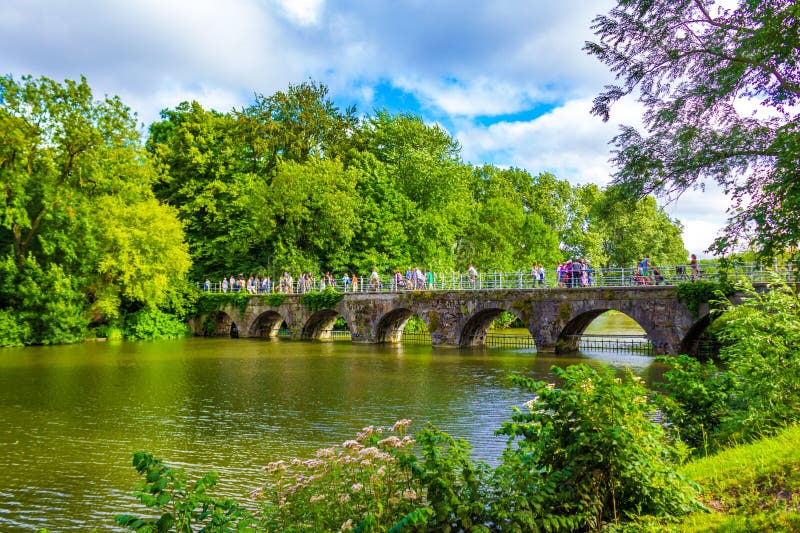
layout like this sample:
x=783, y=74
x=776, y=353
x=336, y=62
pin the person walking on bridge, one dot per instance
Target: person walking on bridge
x=374, y=280
x=345, y=281
x=472, y=273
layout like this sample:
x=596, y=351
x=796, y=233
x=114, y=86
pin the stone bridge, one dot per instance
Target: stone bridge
x=554, y=317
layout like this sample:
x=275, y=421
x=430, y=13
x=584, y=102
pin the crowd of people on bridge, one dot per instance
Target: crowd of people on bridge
x=414, y=278
x=568, y=274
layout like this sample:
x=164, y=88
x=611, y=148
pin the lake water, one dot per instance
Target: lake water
x=73, y=415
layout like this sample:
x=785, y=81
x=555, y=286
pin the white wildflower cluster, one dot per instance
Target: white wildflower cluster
x=368, y=432
x=326, y=452
x=531, y=403
x=274, y=466
x=369, y=453
x=344, y=483
x=400, y=425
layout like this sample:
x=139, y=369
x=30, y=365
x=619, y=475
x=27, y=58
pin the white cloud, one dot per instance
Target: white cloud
x=478, y=96
x=566, y=141
x=302, y=12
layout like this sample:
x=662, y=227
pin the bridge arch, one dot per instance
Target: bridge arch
x=690, y=343
x=320, y=324
x=218, y=324
x=391, y=325
x=568, y=337
x=266, y=324
x=477, y=326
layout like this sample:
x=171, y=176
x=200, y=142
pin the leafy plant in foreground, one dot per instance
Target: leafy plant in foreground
x=184, y=505
x=586, y=454
x=695, y=400
x=760, y=345
x=366, y=484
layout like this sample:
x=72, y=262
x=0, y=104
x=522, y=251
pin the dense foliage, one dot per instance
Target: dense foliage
x=755, y=393
x=696, y=293
x=391, y=193
x=82, y=238
x=586, y=454
x=720, y=87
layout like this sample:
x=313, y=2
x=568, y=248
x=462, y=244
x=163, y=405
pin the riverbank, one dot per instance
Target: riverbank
x=748, y=488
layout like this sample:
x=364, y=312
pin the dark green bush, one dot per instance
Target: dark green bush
x=152, y=324
x=586, y=454
x=695, y=399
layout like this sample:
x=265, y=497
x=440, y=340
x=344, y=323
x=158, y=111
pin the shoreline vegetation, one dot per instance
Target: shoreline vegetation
x=746, y=488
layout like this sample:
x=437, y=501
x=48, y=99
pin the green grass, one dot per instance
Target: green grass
x=753, y=487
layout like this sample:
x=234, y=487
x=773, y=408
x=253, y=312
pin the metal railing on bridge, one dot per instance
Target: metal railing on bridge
x=614, y=343
x=495, y=280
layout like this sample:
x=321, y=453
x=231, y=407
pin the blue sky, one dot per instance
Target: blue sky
x=508, y=79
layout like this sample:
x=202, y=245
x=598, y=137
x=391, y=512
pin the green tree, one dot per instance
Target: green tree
x=505, y=231
x=294, y=125
x=58, y=148
x=633, y=230
x=76, y=199
x=383, y=215
x=552, y=198
x=699, y=69
x=204, y=176
x=422, y=162
x=141, y=256
x=584, y=234
x=233, y=177
x=312, y=207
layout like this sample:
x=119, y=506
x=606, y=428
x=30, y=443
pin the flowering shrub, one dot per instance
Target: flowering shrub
x=364, y=484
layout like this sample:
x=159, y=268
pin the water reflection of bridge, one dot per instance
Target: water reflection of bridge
x=555, y=318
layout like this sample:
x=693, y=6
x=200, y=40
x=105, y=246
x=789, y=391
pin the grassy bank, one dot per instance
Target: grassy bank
x=754, y=487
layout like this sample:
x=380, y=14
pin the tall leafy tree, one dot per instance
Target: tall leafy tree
x=294, y=125
x=312, y=207
x=505, y=230
x=423, y=163
x=384, y=213
x=632, y=230
x=75, y=192
x=205, y=177
x=584, y=235
x=699, y=70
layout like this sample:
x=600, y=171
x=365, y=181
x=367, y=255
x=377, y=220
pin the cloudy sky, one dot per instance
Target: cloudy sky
x=507, y=78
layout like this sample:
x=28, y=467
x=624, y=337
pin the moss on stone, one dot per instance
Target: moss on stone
x=433, y=321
